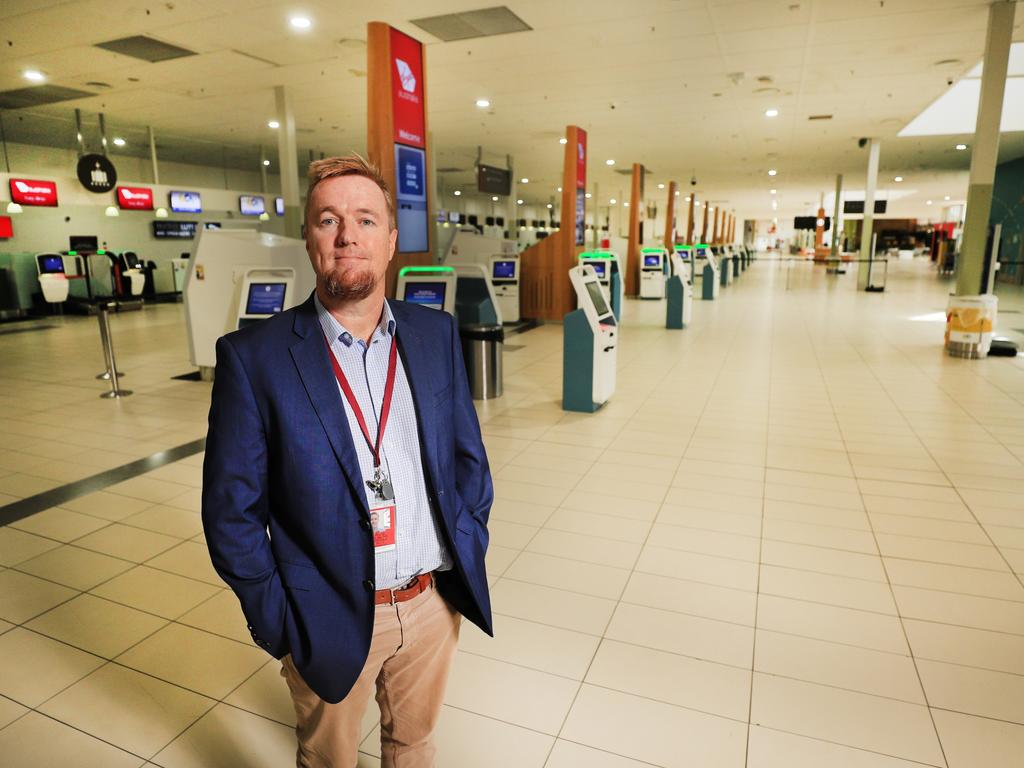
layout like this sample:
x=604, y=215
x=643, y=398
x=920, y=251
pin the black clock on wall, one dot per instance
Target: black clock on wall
x=97, y=173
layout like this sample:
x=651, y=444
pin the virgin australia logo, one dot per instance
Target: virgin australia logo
x=406, y=76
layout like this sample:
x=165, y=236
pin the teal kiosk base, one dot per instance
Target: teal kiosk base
x=616, y=291
x=725, y=271
x=674, y=290
x=578, y=364
x=707, y=283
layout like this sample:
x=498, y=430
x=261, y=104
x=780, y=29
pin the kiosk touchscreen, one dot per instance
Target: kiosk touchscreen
x=652, y=273
x=606, y=267
x=505, y=280
x=709, y=276
x=679, y=293
x=432, y=287
x=590, y=342
x=263, y=293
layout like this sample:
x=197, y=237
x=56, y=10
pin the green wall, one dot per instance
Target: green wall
x=1008, y=210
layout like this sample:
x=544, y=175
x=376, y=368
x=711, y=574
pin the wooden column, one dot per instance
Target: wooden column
x=714, y=233
x=731, y=229
x=690, y=221
x=382, y=86
x=704, y=228
x=670, y=213
x=632, y=286
x=545, y=292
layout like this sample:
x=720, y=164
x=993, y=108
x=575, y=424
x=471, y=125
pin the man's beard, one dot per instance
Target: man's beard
x=352, y=287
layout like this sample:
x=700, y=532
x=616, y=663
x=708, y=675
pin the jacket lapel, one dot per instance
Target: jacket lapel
x=310, y=357
x=414, y=354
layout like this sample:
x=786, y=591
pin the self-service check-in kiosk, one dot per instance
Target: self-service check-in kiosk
x=237, y=277
x=606, y=267
x=432, y=287
x=653, y=262
x=679, y=293
x=475, y=300
x=724, y=267
x=709, y=281
x=590, y=339
x=505, y=281
x=737, y=259
x=53, y=280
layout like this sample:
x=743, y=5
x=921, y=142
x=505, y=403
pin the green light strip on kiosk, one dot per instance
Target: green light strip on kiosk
x=596, y=255
x=407, y=270
x=72, y=253
x=702, y=245
x=651, y=250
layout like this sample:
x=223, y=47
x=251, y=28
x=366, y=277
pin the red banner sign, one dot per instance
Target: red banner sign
x=34, y=192
x=581, y=158
x=407, y=92
x=6, y=228
x=135, y=198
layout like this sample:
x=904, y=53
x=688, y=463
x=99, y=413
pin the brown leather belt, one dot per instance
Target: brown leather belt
x=415, y=587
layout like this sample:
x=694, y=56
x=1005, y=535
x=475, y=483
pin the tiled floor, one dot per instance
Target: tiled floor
x=794, y=538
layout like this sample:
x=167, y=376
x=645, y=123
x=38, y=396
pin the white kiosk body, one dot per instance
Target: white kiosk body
x=591, y=299
x=652, y=273
x=224, y=262
x=505, y=281
x=432, y=287
x=683, y=270
x=704, y=252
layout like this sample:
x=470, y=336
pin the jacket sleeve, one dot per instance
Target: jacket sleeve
x=235, y=503
x=472, y=472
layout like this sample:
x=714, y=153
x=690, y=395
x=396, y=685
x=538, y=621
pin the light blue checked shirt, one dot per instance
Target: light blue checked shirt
x=419, y=546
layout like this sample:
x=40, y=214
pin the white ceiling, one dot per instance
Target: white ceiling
x=679, y=85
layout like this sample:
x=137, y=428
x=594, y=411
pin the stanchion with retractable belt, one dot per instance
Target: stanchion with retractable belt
x=108, y=356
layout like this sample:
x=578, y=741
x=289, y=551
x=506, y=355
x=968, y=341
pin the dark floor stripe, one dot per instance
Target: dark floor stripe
x=19, y=510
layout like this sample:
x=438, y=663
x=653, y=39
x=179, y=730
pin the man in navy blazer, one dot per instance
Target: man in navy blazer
x=346, y=488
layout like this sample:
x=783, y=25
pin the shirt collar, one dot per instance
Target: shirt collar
x=335, y=331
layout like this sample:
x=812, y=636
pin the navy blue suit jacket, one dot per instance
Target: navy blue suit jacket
x=280, y=460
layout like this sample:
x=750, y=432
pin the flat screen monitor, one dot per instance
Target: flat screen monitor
x=597, y=298
x=652, y=260
x=426, y=294
x=251, y=205
x=454, y=217
x=84, y=243
x=503, y=270
x=51, y=265
x=599, y=267
x=182, y=230
x=411, y=199
x=702, y=253
x=279, y=206
x=265, y=298
x=493, y=181
x=186, y=202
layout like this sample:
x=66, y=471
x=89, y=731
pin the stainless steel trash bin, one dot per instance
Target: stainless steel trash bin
x=482, y=347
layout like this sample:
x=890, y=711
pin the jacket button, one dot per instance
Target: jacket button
x=364, y=524
x=369, y=585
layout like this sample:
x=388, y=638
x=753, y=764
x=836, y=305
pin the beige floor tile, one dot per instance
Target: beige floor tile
x=827, y=589
x=792, y=478
x=894, y=728
x=230, y=737
x=589, y=549
x=553, y=478
x=824, y=497
x=18, y=546
x=60, y=524
x=973, y=691
x=511, y=535
x=696, y=599
x=33, y=668
x=723, y=469
x=170, y=521
x=604, y=526
x=521, y=512
x=74, y=567
x=148, y=489
x=962, y=645
x=948, y=530
x=710, y=520
x=23, y=597
x=10, y=711
x=96, y=625
x=839, y=665
x=775, y=749
x=705, y=542
x=180, y=473
x=810, y=514
x=497, y=560
x=570, y=575
x=469, y=740
x=679, y=633
x=863, y=629
x=221, y=615
x=108, y=506
x=22, y=486
x=191, y=500
x=528, y=492
x=975, y=741
x=567, y=754
x=937, y=510
x=820, y=536
x=266, y=694
x=133, y=711
x=614, y=505
x=936, y=551
x=954, y=578
x=214, y=665
x=512, y=694
x=693, y=683
x=556, y=607
x=189, y=558
x=855, y=565
x=688, y=478
x=164, y=594
x=536, y=646
x=36, y=741
x=960, y=610
x=720, y=501
x=654, y=732
x=720, y=571
x=127, y=543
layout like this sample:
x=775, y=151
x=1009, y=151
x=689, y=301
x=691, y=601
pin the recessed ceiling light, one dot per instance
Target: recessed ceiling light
x=928, y=202
x=273, y=124
x=772, y=172
x=524, y=180
x=588, y=195
x=266, y=162
x=677, y=193
x=519, y=202
x=773, y=191
x=563, y=140
x=494, y=198
x=34, y=75
x=898, y=179
x=625, y=204
x=457, y=192
x=687, y=199
x=946, y=197
x=771, y=113
x=961, y=147
x=550, y=206
x=483, y=103
x=559, y=189
x=300, y=22
x=661, y=186
x=119, y=142
x=609, y=162
x=613, y=201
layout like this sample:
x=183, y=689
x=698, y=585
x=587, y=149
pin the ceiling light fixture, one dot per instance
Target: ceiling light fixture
x=300, y=22
x=550, y=206
x=483, y=103
x=457, y=192
x=609, y=162
x=613, y=201
x=524, y=180
x=264, y=216
x=13, y=207
x=946, y=197
x=563, y=140
x=687, y=199
x=898, y=179
x=559, y=189
x=161, y=213
x=588, y=195
x=519, y=202
x=772, y=172
x=119, y=142
x=773, y=191
x=661, y=186
x=961, y=147
x=494, y=198
x=273, y=124
x=111, y=211
x=771, y=113
x=929, y=202
x=34, y=75
x=266, y=162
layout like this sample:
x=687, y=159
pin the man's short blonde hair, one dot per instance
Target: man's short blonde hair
x=348, y=165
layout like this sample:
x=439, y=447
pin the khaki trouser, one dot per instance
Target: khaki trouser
x=411, y=653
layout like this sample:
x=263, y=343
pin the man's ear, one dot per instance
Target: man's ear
x=392, y=243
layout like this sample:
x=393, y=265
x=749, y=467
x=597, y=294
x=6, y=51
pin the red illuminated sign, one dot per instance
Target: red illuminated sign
x=6, y=228
x=34, y=192
x=581, y=158
x=135, y=198
x=407, y=91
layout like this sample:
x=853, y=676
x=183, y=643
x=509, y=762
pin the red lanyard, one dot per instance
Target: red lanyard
x=385, y=408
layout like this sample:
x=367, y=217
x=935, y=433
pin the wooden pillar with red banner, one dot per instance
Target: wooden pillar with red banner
x=397, y=139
